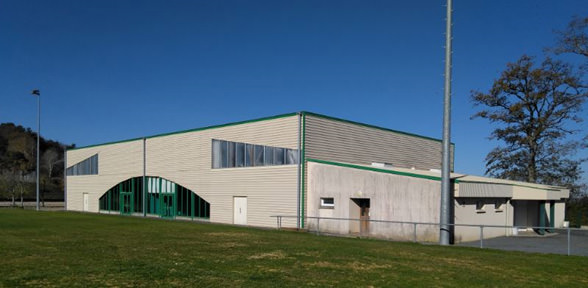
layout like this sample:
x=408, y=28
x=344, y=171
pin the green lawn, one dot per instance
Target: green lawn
x=56, y=249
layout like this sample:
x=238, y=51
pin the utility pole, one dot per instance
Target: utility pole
x=445, y=217
x=38, y=94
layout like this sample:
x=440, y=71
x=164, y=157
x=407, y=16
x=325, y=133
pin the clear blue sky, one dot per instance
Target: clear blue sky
x=115, y=69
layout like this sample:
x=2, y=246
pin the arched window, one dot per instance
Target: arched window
x=163, y=198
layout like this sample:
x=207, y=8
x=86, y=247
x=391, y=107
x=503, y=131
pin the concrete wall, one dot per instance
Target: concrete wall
x=466, y=212
x=392, y=197
x=185, y=158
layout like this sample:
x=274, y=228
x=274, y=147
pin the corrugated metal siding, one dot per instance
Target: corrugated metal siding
x=185, y=158
x=485, y=190
x=332, y=140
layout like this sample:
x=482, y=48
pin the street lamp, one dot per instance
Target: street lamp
x=38, y=94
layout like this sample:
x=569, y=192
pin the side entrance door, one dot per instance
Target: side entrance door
x=364, y=216
x=126, y=203
x=240, y=210
x=86, y=202
x=168, y=205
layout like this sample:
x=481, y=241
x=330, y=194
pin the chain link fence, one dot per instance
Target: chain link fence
x=567, y=241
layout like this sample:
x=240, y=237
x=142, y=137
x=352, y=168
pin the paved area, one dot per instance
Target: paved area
x=556, y=243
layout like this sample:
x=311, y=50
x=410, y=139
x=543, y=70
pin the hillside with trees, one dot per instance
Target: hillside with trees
x=18, y=148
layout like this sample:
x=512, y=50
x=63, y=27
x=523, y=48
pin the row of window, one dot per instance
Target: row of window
x=86, y=167
x=227, y=154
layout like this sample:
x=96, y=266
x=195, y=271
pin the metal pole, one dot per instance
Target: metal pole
x=65, y=178
x=569, y=242
x=38, y=140
x=444, y=234
x=298, y=172
x=481, y=236
x=144, y=186
x=318, y=225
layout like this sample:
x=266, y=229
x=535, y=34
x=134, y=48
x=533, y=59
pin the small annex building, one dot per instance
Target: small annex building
x=299, y=164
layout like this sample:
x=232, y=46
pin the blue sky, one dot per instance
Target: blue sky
x=113, y=70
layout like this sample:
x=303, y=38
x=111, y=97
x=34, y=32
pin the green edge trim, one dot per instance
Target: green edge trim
x=372, y=126
x=263, y=119
x=191, y=130
x=303, y=175
x=376, y=169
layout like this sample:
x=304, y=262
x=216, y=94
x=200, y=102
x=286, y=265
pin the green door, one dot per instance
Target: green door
x=168, y=205
x=126, y=203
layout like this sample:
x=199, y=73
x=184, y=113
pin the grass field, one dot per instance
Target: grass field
x=56, y=249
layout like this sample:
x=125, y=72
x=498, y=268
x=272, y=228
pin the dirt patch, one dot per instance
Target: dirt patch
x=271, y=255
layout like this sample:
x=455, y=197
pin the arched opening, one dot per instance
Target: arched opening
x=163, y=198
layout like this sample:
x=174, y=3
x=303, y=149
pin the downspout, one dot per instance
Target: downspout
x=144, y=186
x=298, y=172
x=303, y=160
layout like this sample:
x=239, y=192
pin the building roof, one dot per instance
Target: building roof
x=257, y=120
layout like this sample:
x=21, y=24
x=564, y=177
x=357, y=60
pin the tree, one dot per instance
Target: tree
x=575, y=38
x=535, y=107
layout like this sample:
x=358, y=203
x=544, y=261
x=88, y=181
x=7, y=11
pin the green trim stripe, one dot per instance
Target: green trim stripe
x=258, y=120
x=190, y=130
x=371, y=126
x=375, y=169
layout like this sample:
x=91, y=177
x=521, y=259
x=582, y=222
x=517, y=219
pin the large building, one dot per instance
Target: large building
x=299, y=164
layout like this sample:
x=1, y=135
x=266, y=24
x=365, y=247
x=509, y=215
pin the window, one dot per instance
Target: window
x=480, y=205
x=216, y=154
x=258, y=155
x=88, y=166
x=499, y=205
x=279, y=156
x=239, y=154
x=224, y=154
x=291, y=156
x=227, y=154
x=248, y=155
x=269, y=156
x=231, y=156
x=328, y=202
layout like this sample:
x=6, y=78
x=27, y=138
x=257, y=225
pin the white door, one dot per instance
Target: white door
x=85, y=201
x=240, y=210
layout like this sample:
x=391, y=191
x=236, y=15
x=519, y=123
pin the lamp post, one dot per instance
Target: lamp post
x=37, y=93
x=445, y=215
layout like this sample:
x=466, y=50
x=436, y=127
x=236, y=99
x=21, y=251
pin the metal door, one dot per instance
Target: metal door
x=240, y=210
x=126, y=203
x=86, y=202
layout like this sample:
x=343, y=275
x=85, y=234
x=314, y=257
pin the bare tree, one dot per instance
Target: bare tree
x=575, y=38
x=534, y=107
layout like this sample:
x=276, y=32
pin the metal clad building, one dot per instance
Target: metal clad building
x=245, y=172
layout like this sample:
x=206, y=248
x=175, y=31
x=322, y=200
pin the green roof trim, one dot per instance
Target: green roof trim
x=192, y=130
x=374, y=169
x=258, y=120
x=371, y=126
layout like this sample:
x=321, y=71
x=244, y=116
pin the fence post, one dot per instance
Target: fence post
x=481, y=236
x=569, y=241
x=318, y=221
x=414, y=232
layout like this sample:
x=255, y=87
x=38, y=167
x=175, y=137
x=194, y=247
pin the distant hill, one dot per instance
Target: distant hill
x=18, y=148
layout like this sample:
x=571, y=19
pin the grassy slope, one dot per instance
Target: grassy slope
x=71, y=249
